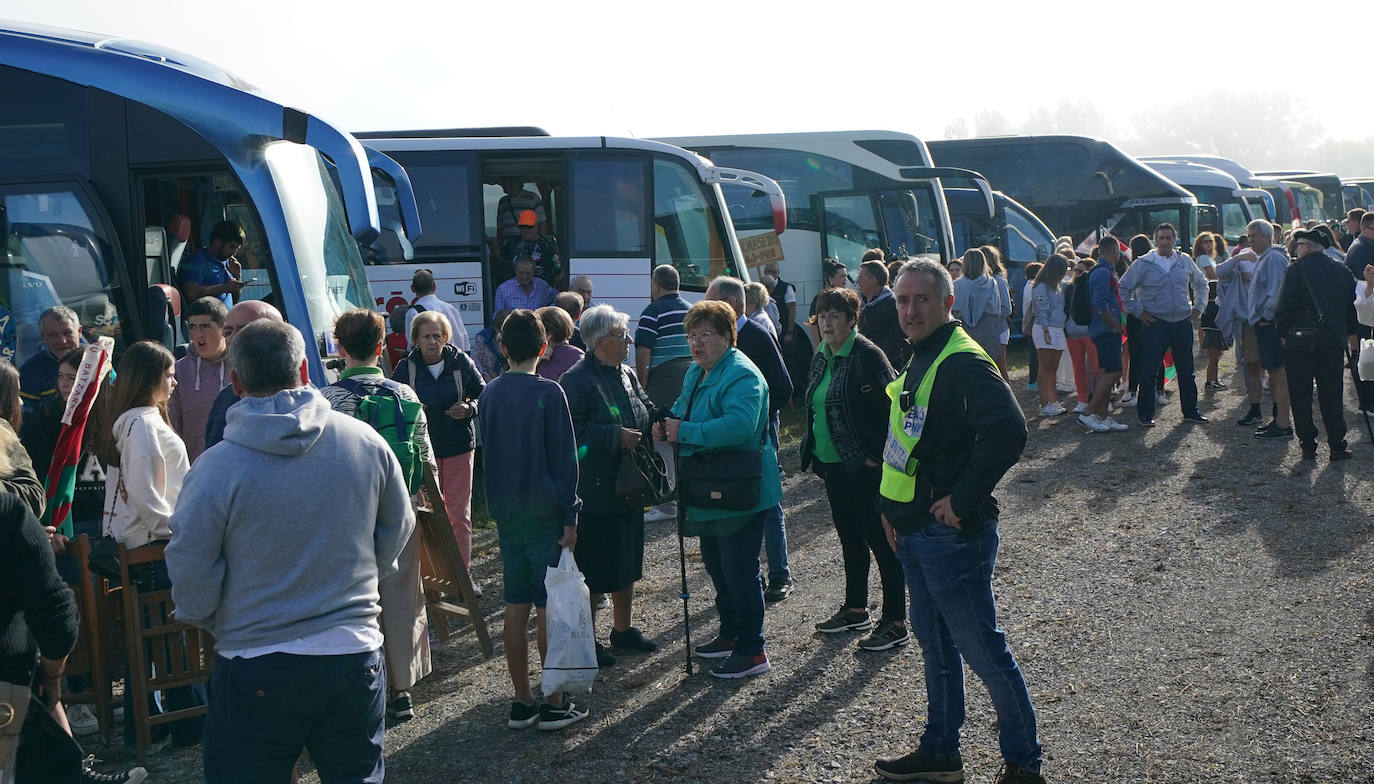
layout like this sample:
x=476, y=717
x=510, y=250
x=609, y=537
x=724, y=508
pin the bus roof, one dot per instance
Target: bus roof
x=222, y=108
x=450, y=133
x=535, y=143
x=884, y=152
x=1243, y=175
x=1063, y=170
x=1187, y=173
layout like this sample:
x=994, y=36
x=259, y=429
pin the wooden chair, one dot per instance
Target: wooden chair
x=163, y=653
x=97, y=645
x=442, y=572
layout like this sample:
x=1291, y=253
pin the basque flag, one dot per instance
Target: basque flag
x=60, y=484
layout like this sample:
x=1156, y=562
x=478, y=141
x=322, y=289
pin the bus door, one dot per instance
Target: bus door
x=910, y=224
x=611, y=237
x=850, y=225
x=447, y=186
x=513, y=183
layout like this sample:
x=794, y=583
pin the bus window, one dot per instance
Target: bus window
x=802, y=175
x=56, y=255
x=912, y=224
x=608, y=206
x=851, y=227
x=45, y=126
x=443, y=188
x=1022, y=234
x=687, y=227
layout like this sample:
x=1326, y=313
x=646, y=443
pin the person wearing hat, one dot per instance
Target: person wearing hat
x=542, y=249
x=1316, y=291
x=516, y=200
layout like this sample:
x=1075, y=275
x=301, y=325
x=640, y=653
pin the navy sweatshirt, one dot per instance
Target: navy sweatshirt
x=529, y=454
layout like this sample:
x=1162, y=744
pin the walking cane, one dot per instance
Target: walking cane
x=682, y=560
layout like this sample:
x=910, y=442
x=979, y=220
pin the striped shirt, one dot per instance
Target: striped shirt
x=660, y=329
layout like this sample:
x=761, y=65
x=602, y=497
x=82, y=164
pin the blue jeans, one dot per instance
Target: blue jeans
x=264, y=710
x=733, y=563
x=1159, y=337
x=953, y=617
x=775, y=527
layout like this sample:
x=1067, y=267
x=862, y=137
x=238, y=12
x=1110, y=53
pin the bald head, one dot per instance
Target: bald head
x=245, y=313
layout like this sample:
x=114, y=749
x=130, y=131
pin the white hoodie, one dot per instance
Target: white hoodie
x=142, y=492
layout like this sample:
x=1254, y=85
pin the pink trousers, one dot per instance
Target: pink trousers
x=455, y=482
x=1083, y=354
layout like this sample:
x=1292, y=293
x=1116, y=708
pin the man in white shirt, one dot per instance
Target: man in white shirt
x=423, y=286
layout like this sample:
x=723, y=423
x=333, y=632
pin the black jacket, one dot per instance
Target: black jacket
x=857, y=411
x=763, y=350
x=449, y=437
x=597, y=427
x=878, y=322
x=37, y=609
x=1361, y=252
x=974, y=433
x=1334, y=288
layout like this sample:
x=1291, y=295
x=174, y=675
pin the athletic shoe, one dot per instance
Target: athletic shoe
x=846, y=620
x=1197, y=417
x=399, y=707
x=1080, y=408
x=661, y=514
x=604, y=658
x=556, y=718
x=523, y=716
x=82, y=720
x=1252, y=418
x=1126, y=400
x=1051, y=409
x=130, y=776
x=632, y=640
x=715, y=649
x=920, y=766
x=1274, y=431
x=1341, y=454
x=1010, y=774
x=1146, y=422
x=742, y=666
x=888, y=635
x=1309, y=452
x=1091, y=422
x=778, y=590
x=1112, y=424
x=1067, y=389
x=1161, y=399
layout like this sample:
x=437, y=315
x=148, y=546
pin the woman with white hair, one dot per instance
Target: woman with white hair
x=611, y=416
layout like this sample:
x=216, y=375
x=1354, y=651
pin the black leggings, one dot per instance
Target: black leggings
x=853, y=499
x=1135, y=342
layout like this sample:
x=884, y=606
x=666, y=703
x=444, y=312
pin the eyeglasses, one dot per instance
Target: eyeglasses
x=700, y=337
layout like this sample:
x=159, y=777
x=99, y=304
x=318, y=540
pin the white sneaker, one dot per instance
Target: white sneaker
x=1067, y=389
x=1112, y=424
x=82, y=720
x=1051, y=409
x=1126, y=400
x=1161, y=399
x=661, y=514
x=1091, y=422
x=1080, y=408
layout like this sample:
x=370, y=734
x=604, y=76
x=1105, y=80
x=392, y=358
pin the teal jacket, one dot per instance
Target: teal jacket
x=730, y=411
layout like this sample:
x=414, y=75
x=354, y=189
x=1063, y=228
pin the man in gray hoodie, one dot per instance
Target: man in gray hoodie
x=280, y=536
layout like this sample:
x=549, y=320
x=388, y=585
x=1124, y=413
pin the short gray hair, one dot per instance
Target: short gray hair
x=730, y=288
x=667, y=277
x=61, y=313
x=599, y=321
x=937, y=271
x=266, y=356
x=756, y=295
x=1262, y=226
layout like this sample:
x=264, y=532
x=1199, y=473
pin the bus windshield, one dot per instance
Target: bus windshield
x=1230, y=207
x=327, y=258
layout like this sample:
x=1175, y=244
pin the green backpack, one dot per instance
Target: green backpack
x=396, y=420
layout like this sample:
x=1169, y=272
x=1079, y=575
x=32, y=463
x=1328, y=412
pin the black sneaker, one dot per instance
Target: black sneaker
x=920, y=766
x=1252, y=418
x=604, y=658
x=556, y=718
x=522, y=716
x=399, y=708
x=846, y=620
x=715, y=649
x=1010, y=774
x=1196, y=416
x=888, y=635
x=741, y=666
x=632, y=640
x=1146, y=422
x=130, y=776
x=778, y=590
x=1274, y=431
x=1273, y=423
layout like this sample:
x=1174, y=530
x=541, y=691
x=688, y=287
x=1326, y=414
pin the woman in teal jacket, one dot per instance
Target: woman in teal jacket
x=728, y=397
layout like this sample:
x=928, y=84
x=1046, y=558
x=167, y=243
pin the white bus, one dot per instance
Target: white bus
x=616, y=207
x=1236, y=206
x=847, y=191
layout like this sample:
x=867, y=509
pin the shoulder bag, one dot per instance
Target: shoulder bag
x=14, y=708
x=1303, y=337
x=642, y=478
x=721, y=479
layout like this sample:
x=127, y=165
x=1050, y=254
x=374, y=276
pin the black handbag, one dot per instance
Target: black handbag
x=104, y=557
x=642, y=478
x=729, y=479
x=1303, y=337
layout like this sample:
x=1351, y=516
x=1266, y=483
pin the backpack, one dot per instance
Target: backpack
x=396, y=420
x=398, y=319
x=1080, y=300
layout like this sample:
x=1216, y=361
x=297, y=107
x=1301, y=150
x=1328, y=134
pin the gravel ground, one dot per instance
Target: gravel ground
x=1188, y=605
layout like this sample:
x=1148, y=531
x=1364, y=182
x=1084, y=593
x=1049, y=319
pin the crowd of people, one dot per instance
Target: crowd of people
x=910, y=423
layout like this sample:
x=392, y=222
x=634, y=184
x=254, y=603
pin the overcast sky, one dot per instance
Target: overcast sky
x=653, y=68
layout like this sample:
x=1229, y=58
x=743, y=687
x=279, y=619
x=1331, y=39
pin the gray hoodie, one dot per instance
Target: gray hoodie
x=283, y=528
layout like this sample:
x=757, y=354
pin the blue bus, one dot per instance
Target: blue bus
x=117, y=158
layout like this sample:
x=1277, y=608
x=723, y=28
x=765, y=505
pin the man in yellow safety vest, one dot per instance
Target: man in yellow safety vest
x=954, y=430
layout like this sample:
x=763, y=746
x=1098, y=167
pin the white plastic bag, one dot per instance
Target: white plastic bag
x=1366, y=364
x=571, y=661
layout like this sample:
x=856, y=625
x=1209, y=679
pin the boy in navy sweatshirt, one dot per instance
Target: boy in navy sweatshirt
x=529, y=467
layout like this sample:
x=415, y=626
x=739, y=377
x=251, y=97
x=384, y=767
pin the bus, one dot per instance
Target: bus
x=1330, y=189
x=847, y=191
x=616, y=207
x=1261, y=202
x=1214, y=187
x=1079, y=185
x=117, y=158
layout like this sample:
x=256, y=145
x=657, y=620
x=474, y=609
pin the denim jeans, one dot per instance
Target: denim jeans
x=264, y=710
x=775, y=528
x=953, y=617
x=1175, y=337
x=733, y=563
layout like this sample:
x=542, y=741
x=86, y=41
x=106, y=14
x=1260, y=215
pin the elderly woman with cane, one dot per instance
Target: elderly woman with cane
x=727, y=480
x=610, y=415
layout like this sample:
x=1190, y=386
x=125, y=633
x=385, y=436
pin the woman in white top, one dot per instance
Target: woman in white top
x=1044, y=321
x=145, y=459
x=1209, y=250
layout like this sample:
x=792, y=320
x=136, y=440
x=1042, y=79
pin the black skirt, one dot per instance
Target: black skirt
x=610, y=548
